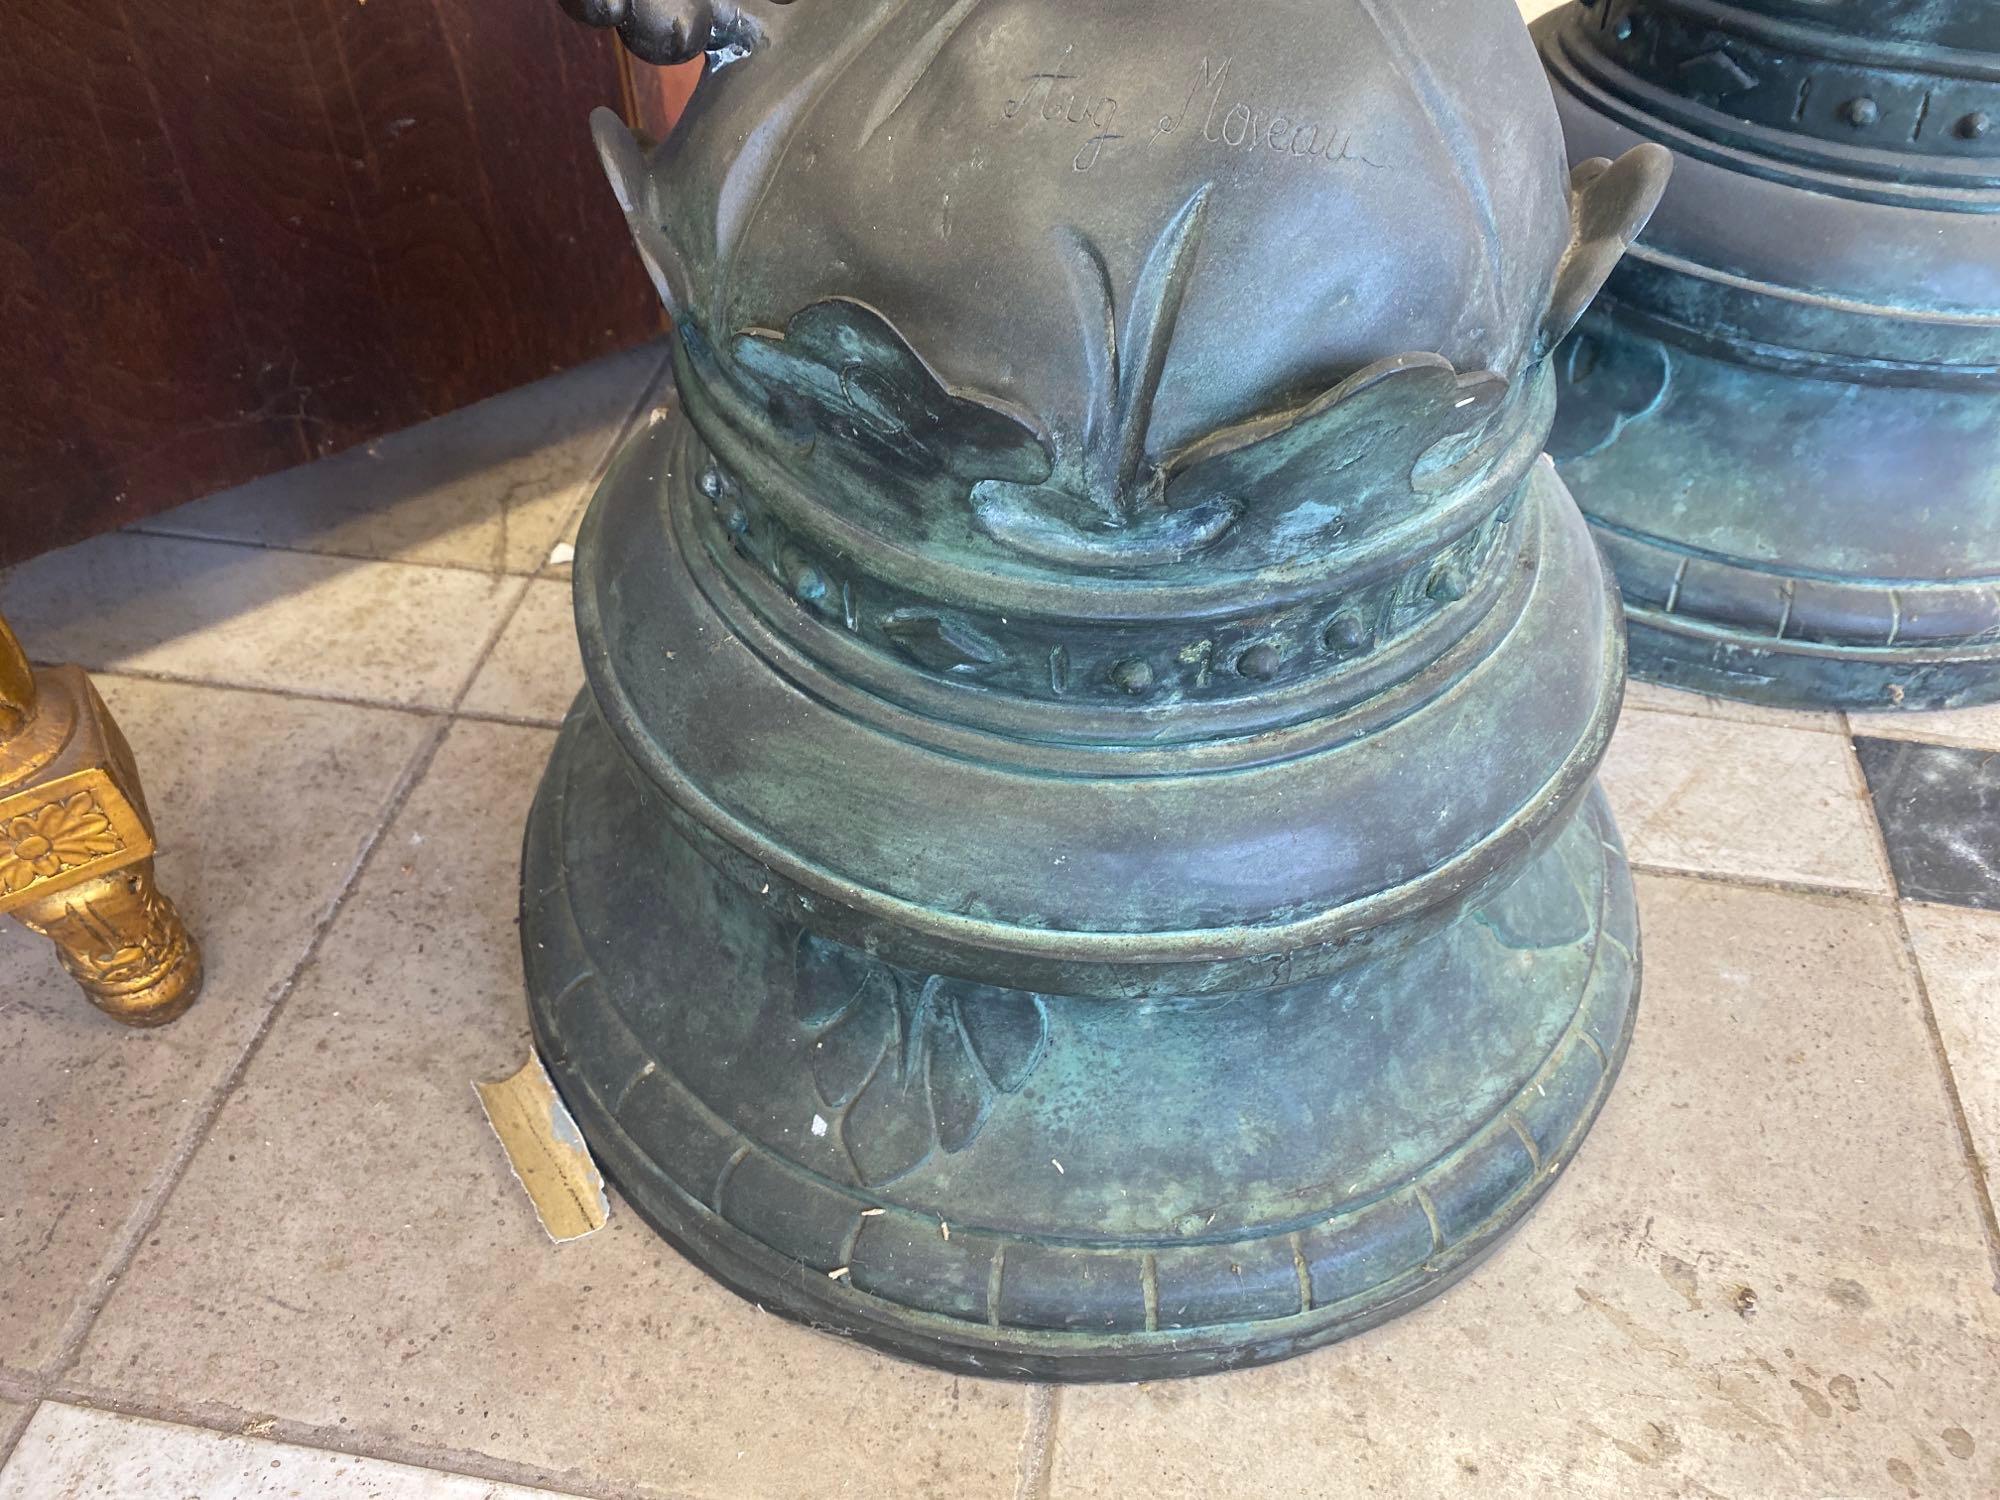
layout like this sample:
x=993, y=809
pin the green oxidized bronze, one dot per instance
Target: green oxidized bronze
x=1079, y=856
x=1783, y=419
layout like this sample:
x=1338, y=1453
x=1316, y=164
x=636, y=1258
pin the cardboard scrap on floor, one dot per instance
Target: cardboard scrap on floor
x=547, y=1152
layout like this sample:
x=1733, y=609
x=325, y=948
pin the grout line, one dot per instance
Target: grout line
x=373, y=705
x=1748, y=882
x=501, y=622
x=296, y=695
x=1903, y=727
x=514, y=721
x=1857, y=779
x=1038, y=1443
x=152, y=1204
x=662, y=379
x=1968, y=1145
x=449, y=709
x=155, y=529
x=1982, y=1189
x=230, y=1421
x=12, y=1432
x=1836, y=726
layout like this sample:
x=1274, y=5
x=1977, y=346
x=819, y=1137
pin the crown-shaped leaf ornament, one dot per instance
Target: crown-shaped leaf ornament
x=840, y=373
x=842, y=399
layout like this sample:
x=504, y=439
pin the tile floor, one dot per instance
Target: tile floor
x=274, y=1250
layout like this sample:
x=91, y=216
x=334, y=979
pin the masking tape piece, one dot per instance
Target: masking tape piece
x=547, y=1152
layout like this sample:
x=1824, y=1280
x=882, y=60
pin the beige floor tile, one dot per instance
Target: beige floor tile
x=13, y=1417
x=562, y=555
x=489, y=487
x=1959, y=953
x=263, y=806
x=74, y=1451
x=1719, y=796
x=1650, y=695
x=536, y=669
x=1763, y=1276
x=255, y=617
x=349, y=1249
x=1974, y=728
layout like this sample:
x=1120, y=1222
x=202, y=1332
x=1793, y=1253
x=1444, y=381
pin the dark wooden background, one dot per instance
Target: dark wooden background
x=235, y=236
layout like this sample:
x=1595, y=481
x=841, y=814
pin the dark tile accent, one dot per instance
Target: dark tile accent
x=1939, y=807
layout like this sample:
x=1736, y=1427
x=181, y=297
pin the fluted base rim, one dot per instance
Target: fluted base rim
x=1444, y=1089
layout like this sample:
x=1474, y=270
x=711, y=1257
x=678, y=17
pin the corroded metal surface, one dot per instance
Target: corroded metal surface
x=1078, y=857
x=1784, y=416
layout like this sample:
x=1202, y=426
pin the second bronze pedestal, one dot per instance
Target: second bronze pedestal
x=1783, y=418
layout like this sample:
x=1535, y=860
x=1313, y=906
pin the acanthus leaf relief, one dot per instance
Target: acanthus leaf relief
x=909, y=1064
x=1365, y=453
x=860, y=384
x=1278, y=485
x=1610, y=202
x=1105, y=507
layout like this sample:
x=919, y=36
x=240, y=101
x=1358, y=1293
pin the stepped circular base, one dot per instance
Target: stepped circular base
x=1028, y=1185
x=1783, y=538
x=1704, y=658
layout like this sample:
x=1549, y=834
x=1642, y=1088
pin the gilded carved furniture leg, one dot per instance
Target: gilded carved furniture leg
x=76, y=845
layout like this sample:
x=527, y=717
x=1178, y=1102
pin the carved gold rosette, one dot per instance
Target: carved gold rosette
x=76, y=846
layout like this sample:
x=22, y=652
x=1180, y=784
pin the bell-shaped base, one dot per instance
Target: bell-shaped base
x=1031, y=1185
x=1787, y=539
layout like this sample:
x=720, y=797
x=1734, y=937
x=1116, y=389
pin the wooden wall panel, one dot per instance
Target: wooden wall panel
x=659, y=95
x=235, y=235
x=124, y=352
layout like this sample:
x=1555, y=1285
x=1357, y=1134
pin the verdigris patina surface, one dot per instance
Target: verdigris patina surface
x=1079, y=856
x=1783, y=419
